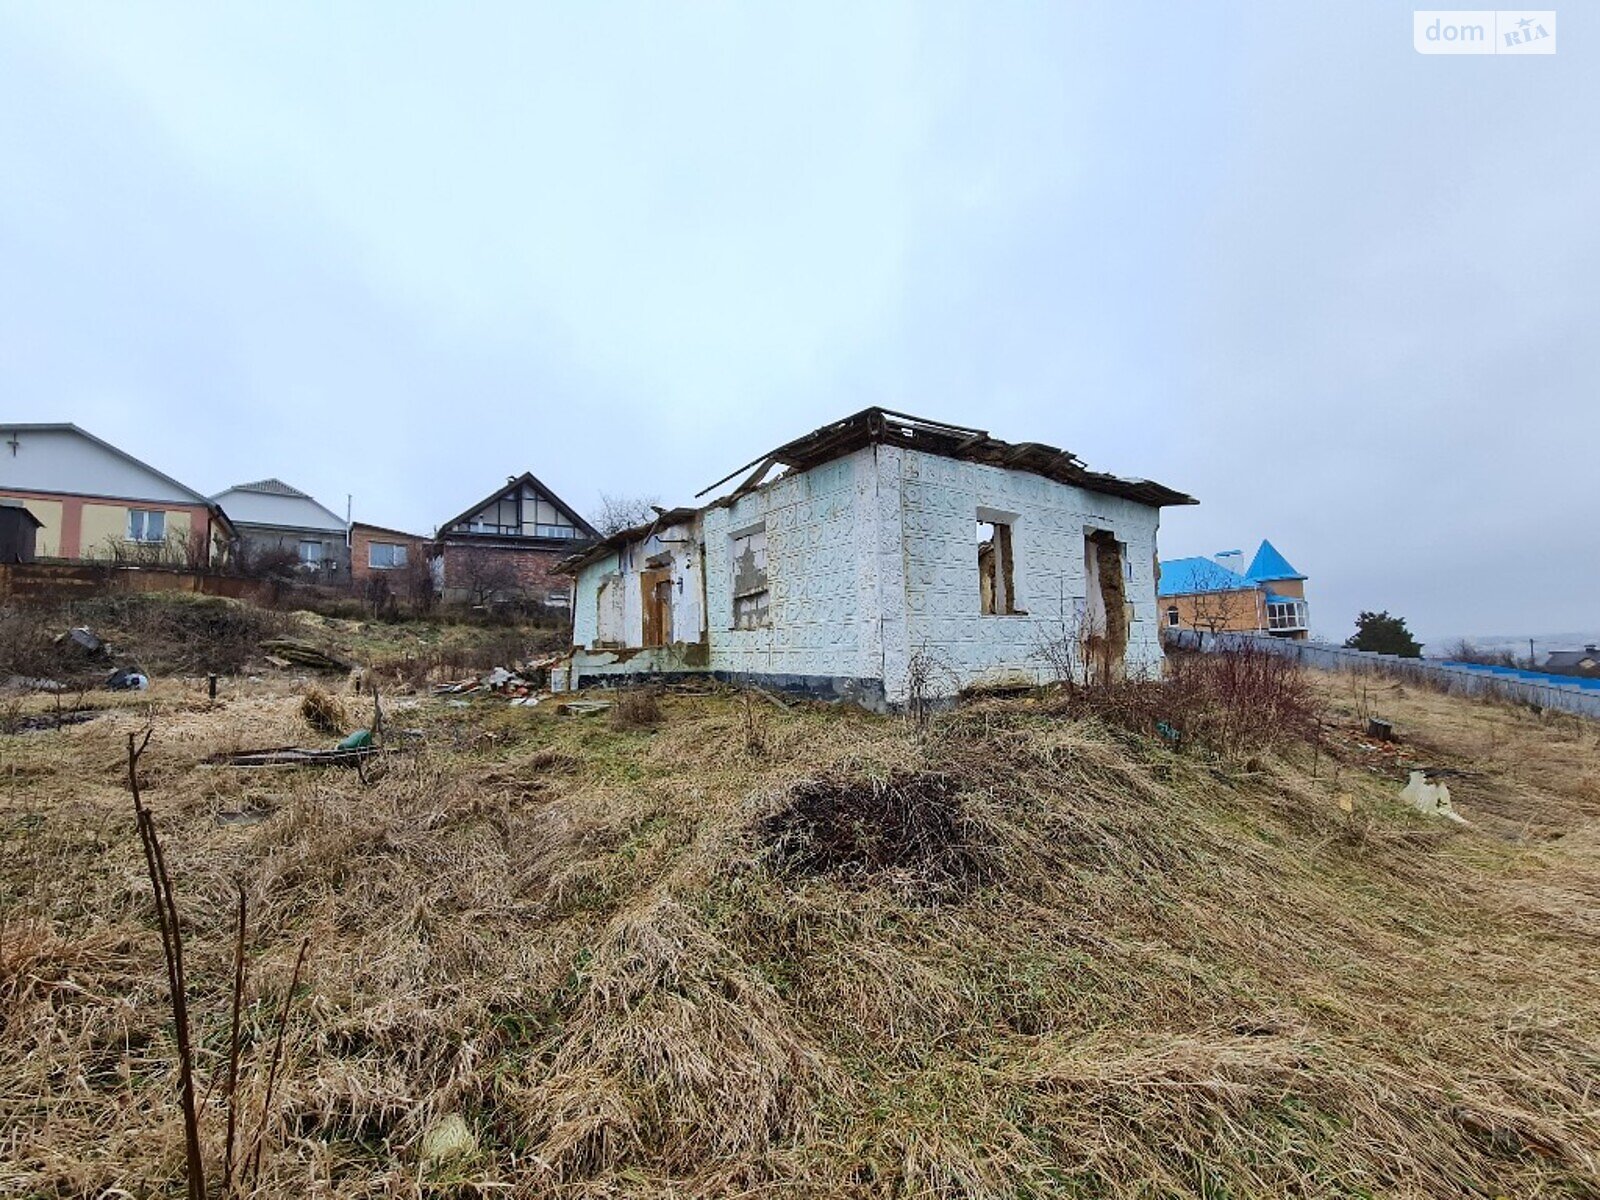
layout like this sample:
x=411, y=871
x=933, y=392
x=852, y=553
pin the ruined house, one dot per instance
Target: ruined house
x=880, y=555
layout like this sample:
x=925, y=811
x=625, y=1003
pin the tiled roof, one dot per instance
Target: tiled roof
x=274, y=487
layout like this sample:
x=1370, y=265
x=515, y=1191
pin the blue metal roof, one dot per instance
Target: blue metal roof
x=1268, y=565
x=1190, y=576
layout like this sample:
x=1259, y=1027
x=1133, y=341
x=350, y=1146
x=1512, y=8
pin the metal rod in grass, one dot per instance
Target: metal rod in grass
x=172, y=953
x=233, y=1045
x=252, y=1169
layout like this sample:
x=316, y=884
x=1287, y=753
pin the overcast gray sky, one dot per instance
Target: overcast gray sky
x=1344, y=293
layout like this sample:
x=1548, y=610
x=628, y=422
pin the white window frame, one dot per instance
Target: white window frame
x=1286, y=616
x=312, y=552
x=1173, y=619
x=140, y=521
x=399, y=556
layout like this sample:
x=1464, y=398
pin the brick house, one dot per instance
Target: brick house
x=506, y=545
x=1221, y=595
x=389, y=560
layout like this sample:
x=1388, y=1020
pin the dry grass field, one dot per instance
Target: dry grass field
x=726, y=950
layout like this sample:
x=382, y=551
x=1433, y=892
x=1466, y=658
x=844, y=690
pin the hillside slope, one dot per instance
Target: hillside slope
x=808, y=953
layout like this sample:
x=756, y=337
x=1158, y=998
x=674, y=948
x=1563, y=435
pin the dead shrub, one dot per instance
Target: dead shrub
x=175, y=633
x=324, y=712
x=1242, y=700
x=909, y=828
x=26, y=644
x=636, y=708
x=1235, y=701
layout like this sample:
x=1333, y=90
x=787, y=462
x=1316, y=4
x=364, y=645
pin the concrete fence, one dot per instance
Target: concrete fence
x=1455, y=678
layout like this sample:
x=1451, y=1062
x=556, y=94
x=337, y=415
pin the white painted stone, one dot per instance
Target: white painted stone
x=871, y=559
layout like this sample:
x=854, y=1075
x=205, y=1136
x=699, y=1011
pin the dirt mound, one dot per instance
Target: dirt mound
x=909, y=828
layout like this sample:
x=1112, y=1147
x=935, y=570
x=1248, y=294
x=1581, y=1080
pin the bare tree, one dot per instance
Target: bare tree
x=264, y=561
x=623, y=512
x=1462, y=650
x=1218, y=602
x=489, y=579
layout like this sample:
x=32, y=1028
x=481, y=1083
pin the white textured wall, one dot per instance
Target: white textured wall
x=873, y=558
x=819, y=586
x=585, y=600
x=679, y=541
x=940, y=503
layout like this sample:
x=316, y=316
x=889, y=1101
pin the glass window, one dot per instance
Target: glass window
x=1172, y=615
x=1286, y=614
x=750, y=610
x=311, y=553
x=146, y=525
x=386, y=556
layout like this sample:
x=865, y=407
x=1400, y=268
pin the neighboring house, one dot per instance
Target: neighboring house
x=275, y=520
x=1219, y=594
x=895, y=556
x=96, y=502
x=19, y=532
x=392, y=556
x=506, y=546
x=1585, y=662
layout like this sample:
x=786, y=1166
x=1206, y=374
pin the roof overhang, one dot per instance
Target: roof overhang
x=882, y=426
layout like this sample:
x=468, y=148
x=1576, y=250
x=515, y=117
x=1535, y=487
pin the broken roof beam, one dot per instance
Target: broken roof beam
x=925, y=422
x=754, y=462
x=753, y=480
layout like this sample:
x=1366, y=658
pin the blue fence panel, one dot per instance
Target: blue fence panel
x=1565, y=693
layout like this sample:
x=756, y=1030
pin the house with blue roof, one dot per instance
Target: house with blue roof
x=1221, y=594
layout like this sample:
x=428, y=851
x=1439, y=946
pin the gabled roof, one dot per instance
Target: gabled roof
x=274, y=514
x=271, y=487
x=1572, y=658
x=1268, y=565
x=392, y=532
x=69, y=427
x=527, y=477
x=1194, y=576
x=873, y=426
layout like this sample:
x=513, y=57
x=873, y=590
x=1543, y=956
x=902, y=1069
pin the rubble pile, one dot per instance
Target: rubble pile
x=522, y=685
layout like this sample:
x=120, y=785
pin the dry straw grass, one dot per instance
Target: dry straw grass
x=325, y=713
x=658, y=962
